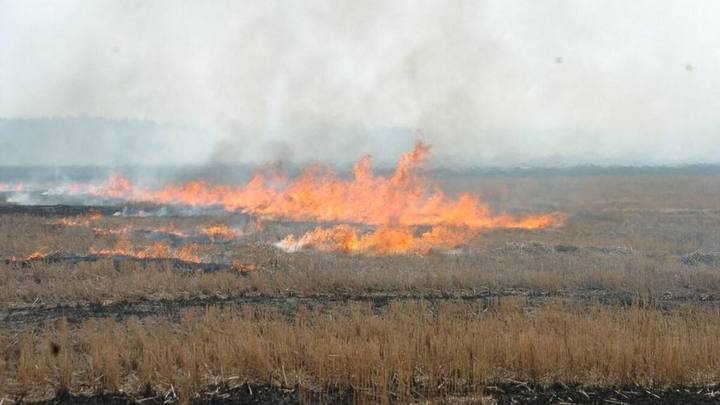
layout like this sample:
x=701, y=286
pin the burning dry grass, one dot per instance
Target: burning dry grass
x=610, y=251
x=410, y=351
x=123, y=247
x=624, y=236
x=219, y=232
x=381, y=241
x=396, y=204
x=405, y=198
x=80, y=220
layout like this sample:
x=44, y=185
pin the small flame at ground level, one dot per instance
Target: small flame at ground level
x=38, y=254
x=157, y=250
x=80, y=220
x=219, y=232
x=383, y=240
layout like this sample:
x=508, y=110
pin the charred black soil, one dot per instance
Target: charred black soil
x=74, y=259
x=288, y=305
x=502, y=393
x=529, y=393
x=56, y=210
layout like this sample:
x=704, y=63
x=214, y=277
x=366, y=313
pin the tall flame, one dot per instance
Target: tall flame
x=394, y=204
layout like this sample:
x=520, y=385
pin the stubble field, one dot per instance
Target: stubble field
x=134, y=303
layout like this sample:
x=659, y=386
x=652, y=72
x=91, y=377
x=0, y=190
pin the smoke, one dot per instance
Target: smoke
x=99, y=142
x=486, y=82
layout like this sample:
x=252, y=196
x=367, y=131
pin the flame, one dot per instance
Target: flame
x=38, y=254
x=189, y=253
x=383, y=240
x=157, y=250
x=394, y=204
x=404, y=198
x=219, y=232
x=80, y=220
x=244, y=267
x=117, y=186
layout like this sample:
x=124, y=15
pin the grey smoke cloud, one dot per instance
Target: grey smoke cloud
x=486, y=82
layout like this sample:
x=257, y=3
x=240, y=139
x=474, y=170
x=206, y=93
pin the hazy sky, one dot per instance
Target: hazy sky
x=486, y=82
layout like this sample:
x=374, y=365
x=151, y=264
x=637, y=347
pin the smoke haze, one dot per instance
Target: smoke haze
x=488, y=83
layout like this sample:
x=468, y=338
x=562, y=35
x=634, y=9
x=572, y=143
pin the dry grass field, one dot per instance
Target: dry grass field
x=409, y=353
x=623, y=299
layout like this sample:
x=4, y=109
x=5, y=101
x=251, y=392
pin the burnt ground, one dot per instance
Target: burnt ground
x=56, y=210
x=524, y=393
x=20, y=317
x=111, y=208
x=502, y=393
x=36, y=315
x=60, y=257
x=241, y=394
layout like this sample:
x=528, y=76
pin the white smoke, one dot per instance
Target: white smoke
x=487, y=82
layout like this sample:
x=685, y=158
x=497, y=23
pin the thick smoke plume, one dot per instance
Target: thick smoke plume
x=487, y=82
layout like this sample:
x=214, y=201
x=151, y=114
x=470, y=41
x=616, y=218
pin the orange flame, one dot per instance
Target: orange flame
x=394, y=204
x=38, y=254
x=157, y=250
x=244, y=267
x=384, y=240
x=117, y=186
x=80, y=220
x=219, y=232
